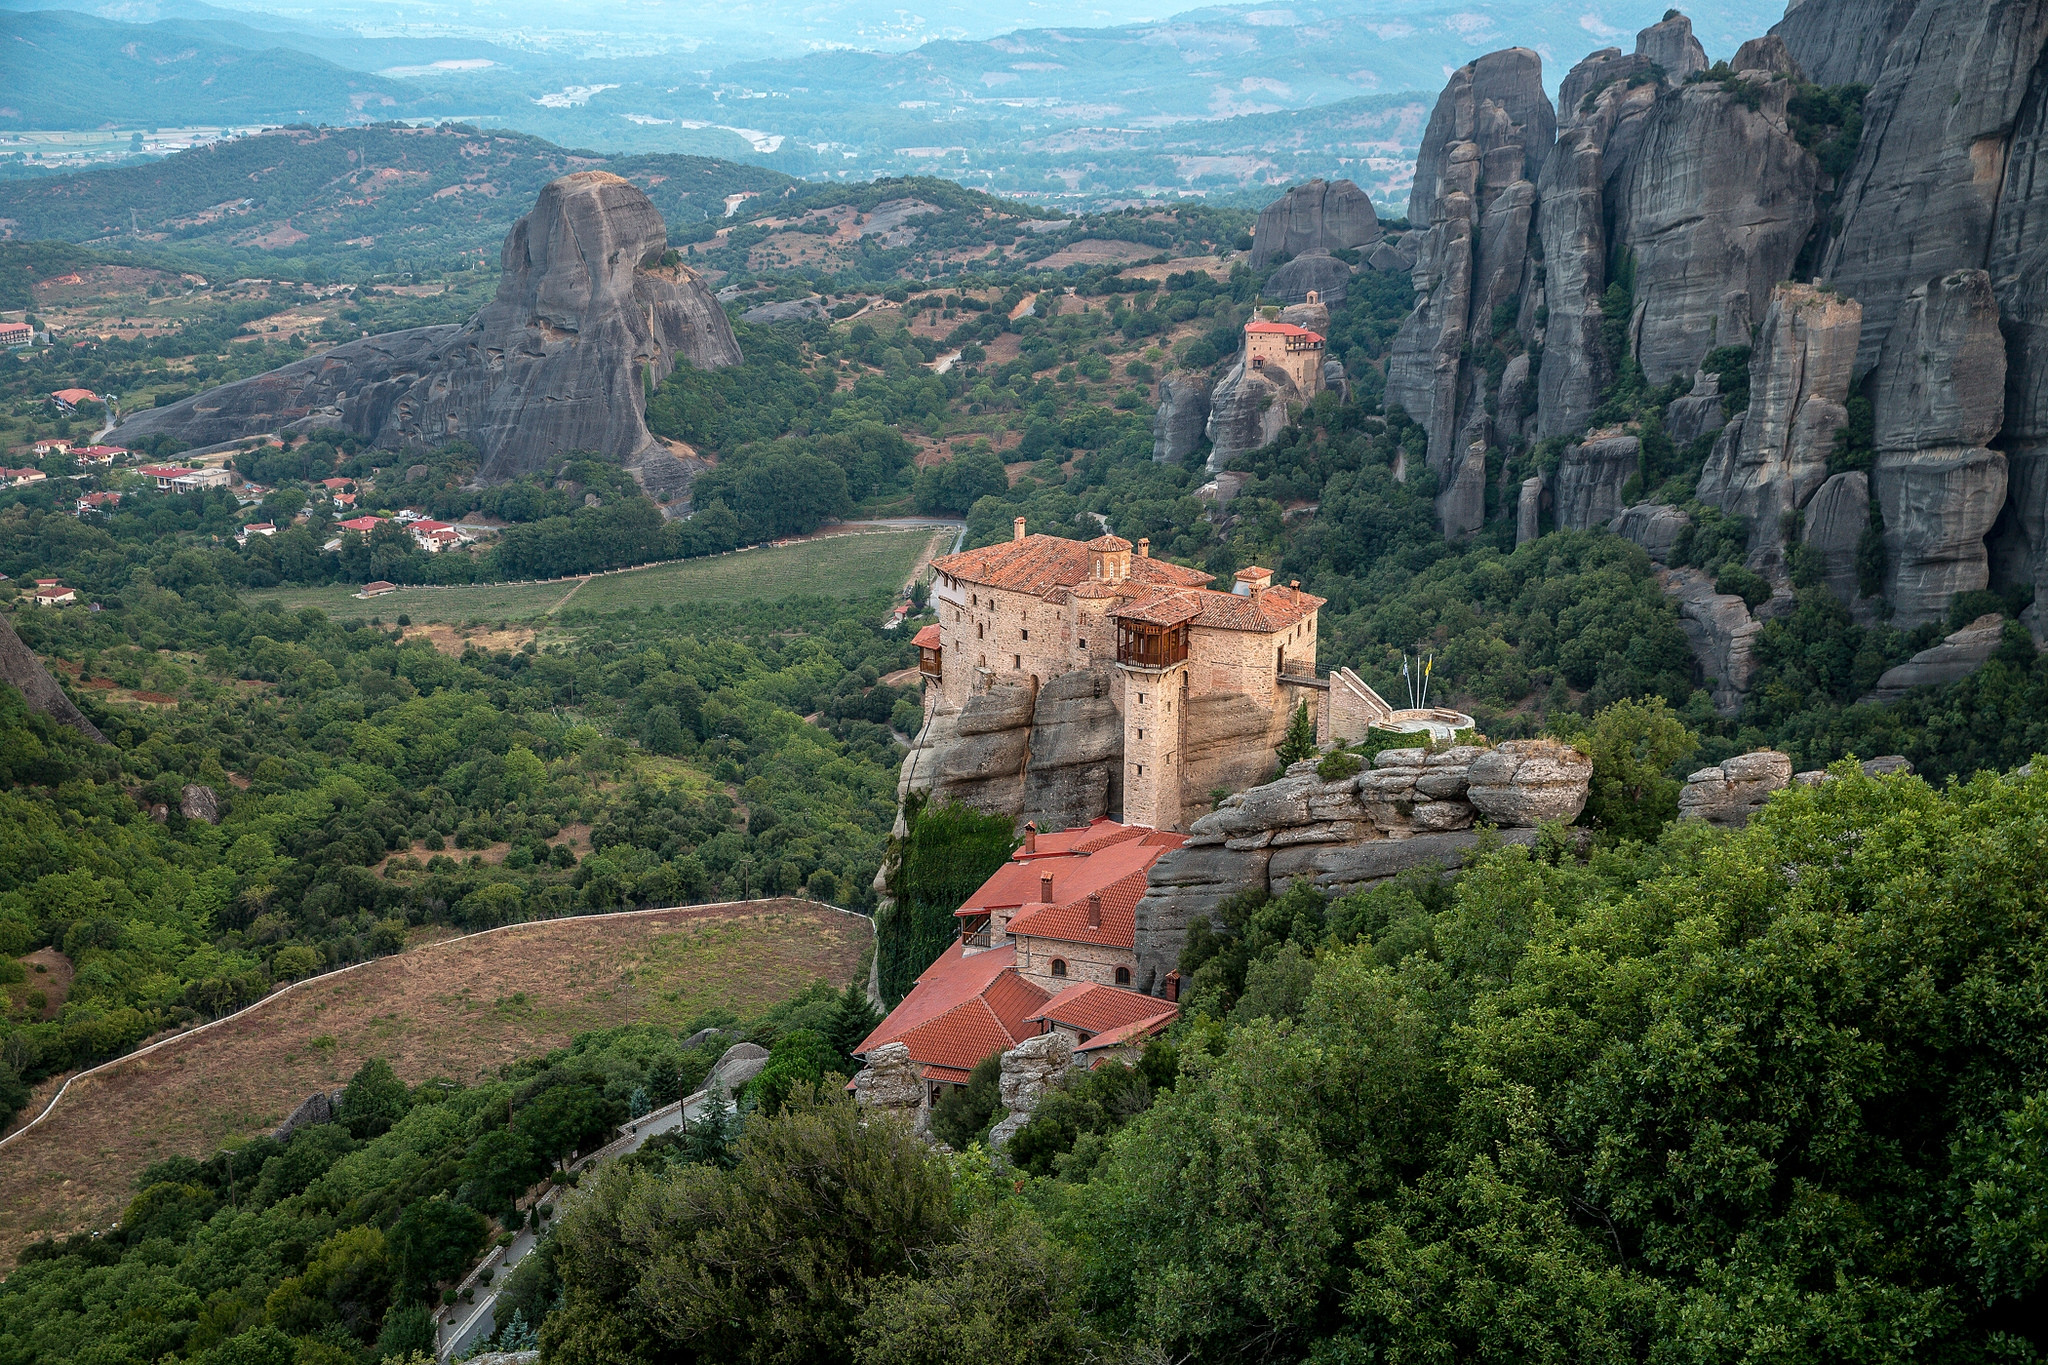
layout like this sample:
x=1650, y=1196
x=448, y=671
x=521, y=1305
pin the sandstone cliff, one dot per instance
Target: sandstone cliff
x=585, y=316
x=21, y=669
x=1410, y=809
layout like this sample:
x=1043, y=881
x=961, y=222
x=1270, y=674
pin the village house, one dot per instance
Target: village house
x=1204, y=681
x=255, y=528
x=16, y=478
x=67, y=400
x=43, y=449
x=362, y=526
x=16, y=336
x=164, y=474
x=98, y=502
x=51, y=592
x=199, y=480
x=100, y=455
x=1046, y=945
x=377, y=589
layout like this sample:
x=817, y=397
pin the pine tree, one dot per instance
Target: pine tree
x=1300, y=740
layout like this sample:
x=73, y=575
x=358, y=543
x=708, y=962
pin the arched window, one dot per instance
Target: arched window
x=1123, y=976
x=1059, y=968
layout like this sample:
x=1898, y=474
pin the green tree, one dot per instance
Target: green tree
x=563, y=1119
x=798, y=1061
x=498, y=1168
x=1635, y=745
x=432, y=1241
x=373, y=1100
x=963, y=1114
x=1300, y=740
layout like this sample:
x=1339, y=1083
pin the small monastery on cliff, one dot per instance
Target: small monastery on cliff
x=1204, y=681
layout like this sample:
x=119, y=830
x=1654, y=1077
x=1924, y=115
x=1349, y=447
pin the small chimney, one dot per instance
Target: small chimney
x=1094, y=909
x=1045, y=888
x=1017, y=529
x=1253, y=581
x=1031, y=837
x=1173, y=987
x=1144, y=547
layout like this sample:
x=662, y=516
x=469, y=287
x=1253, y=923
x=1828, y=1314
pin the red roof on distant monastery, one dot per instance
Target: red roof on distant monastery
x=1108, y=1014
x=961, y=1010
x=1284, y=329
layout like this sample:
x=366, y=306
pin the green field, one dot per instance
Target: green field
x=836, y=566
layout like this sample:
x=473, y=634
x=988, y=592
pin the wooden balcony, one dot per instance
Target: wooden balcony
x=1140, y=644
x=930, y=663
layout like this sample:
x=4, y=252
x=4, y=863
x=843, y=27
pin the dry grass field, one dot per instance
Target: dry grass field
x=456, y=1010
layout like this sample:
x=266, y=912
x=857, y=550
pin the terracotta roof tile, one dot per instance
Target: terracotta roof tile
x=961, y=1010
x=1098, y=1009
x=1274, y=609
x=928, y=638
x=1038, y=564
x=1067, y=920
x=1101, y=855
x=1285, y=329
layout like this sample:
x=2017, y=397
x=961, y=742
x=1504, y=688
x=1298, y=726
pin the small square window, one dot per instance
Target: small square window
x=1027, y=634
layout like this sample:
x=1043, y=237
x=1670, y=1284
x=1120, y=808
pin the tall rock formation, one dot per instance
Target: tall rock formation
x=1843, y=44
x=1178, y=427
x=1774, y=457
x=586, y=317
x=1487, y=142
x=1252, y=405
x=1714, y=208
x=1323, y=215
x=1939, y=397
x=1923, y=195
x=2018, y=269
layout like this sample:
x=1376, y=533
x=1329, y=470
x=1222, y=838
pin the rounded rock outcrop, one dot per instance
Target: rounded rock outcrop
x=1529, y=781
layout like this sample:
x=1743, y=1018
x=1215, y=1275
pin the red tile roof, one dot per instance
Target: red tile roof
x=1110, y=862
x=1285, y=329
x=928, y=638
x=75, y=396
x=962, y=1009
x=363, y=524
x=1038, y=564
x=1109, y=1013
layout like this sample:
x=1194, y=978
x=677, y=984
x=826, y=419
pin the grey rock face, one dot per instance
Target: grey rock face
x=976, y=754
x=1721, y=632
x=1941, y=379
x=1029, y=1069
x=1077, y=752
x=1842, y=42
x=890, y=1084
x=1312, y=272
x=1937, y=505
x=1836, y=520
x=1247, y=409
x=25, y=672
x=316, y=1109
x=199, y=802
x=1656, y=526
x=1671, y=45
x=1921, y=199
x=1731, y=793
x=1601, y=118
x=1178, y=428
x=1526, y=782
x=558, y=361
x=1391, y=258
x=1323, y=215
x=1488, y=139
x=1699, y=413
x=740, y=1064
x=1590, y=478
x=1716, y=205
x=1776, y=457
x=1529, y=511
x=1955, y=658
x=1768, y=54
x=788, y=310
x=2019, y=275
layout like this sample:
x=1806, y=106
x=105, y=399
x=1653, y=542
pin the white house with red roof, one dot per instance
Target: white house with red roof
x=67, y=400
x=164, y=474
x=362, y=526
x=1056, y=919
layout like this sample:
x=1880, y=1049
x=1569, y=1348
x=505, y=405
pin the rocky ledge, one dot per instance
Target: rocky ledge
x=1411, y=808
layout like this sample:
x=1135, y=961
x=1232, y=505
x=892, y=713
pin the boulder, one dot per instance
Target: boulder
x=20, y=667
x=199, y=802
x=1312, y=272
x=788, y=310
x=890, y=1083
x=1656, y=526
x=701, y=1037
x=740, y=1063
x=975, y=753
x=1721, y=632
x=1735, y=790
x=586, y=315
x=1590, y=477
x=1322, y=215
x=1699, y=413
x=1178, y=429
x=1030, y=1069
x=1525, y=782
x=1956, y=657
x=1395, y=260
x=1767, y=55
x=317, y=1108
